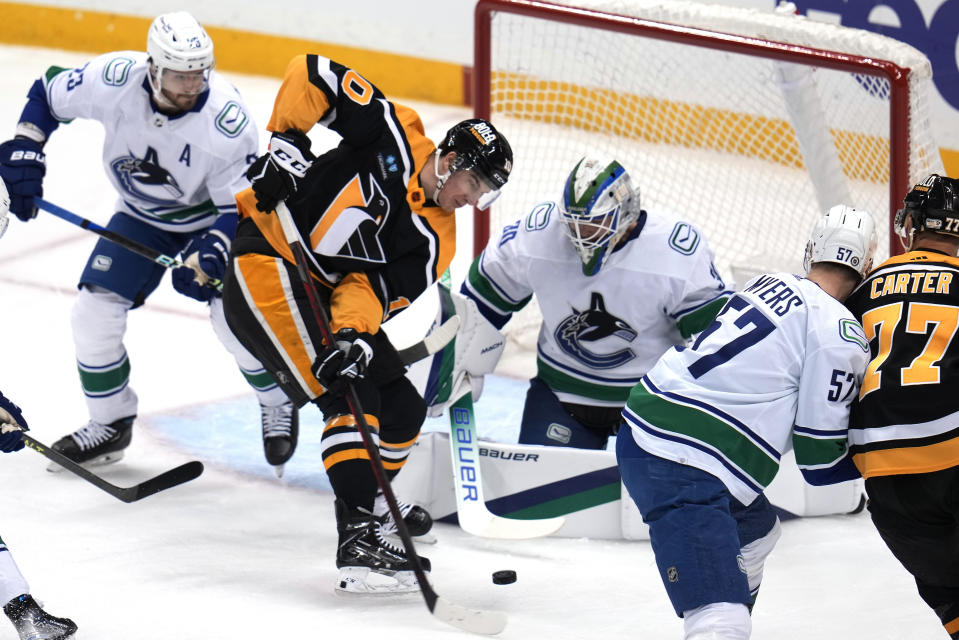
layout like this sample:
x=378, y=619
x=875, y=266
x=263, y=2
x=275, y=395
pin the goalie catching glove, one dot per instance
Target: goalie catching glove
x=347, y=359
x=275, y=174
x=461, y=365
x=12, y=426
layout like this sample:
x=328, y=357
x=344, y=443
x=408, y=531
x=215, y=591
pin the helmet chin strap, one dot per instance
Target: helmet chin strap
x=440, y=179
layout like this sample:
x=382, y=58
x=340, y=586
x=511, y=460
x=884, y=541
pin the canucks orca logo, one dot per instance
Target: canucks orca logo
x=144, y=178
x=593, y=325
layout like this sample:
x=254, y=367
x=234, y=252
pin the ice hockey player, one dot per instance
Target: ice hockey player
x=377, y=217
x=903, y=429
x=778, y=368
x=617, y=285
x=178, y=141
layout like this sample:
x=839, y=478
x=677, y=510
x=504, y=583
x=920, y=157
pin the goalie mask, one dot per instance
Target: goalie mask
x=844, y=236
x=481, y=149
x=933, y=205
x=599, y=204
x=182, y=56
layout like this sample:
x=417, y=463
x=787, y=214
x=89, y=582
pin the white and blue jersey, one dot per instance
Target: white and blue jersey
x=600, y=333
x=177, y=173
x=777, y=369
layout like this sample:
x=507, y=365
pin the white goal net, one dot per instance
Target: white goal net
x=748, y=124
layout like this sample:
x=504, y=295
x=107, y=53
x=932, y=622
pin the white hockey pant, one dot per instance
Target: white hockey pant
x=267, y=392
x=12, y=582
x=99, y=321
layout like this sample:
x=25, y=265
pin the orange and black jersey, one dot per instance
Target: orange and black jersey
x=375, y=238
x=906, y=419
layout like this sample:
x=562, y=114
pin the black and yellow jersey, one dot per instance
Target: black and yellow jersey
x=376, y=240
x=906, y=419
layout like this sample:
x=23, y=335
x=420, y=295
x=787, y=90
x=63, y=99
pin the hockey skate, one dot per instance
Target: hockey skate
x=418, y=520
x=368, y=562
x=281, y=426
x=33, y=623
x=96, y=444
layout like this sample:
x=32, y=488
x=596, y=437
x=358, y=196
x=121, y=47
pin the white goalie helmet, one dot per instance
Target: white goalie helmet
x=599, y=204
x=177, y=43
x=843, y=235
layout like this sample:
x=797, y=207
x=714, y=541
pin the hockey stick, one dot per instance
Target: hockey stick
x=474, y=620
x=116, y=238
x=166, y=480
x=436, y=340
x=471, y=509
x=422, y=349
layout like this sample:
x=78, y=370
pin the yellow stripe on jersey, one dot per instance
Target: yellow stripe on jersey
x=266, y=286
x=299, y=103
x=354, y=304
x=906, y=460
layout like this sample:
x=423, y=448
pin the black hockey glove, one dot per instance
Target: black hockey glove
x=22, y=166
x=12, y=426
x=346, y=361
x=275, y=174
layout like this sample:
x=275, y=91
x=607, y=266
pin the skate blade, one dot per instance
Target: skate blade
x=363, y=581
x=278, y=470
x=99, y=461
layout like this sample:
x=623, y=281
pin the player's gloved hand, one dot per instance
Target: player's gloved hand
x=347, y=360
x=22, y=166
x=275, y=174
x=205, y=262
x=12, y=426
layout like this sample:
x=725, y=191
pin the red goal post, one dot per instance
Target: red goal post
x=491, y=67
x=746, y=123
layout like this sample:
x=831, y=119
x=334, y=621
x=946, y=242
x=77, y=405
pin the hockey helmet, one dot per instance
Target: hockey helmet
x=599, y=204
x=843, y=235
x=933, y=205
x=179, y=46
x=482, y=149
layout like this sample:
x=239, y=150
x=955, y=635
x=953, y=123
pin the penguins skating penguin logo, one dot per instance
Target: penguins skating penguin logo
x=591, y=326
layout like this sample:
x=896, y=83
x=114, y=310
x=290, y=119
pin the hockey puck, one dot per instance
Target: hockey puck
x=507, y=576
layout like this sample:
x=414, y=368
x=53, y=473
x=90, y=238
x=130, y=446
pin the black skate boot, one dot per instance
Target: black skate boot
x=418, y=520
x=96, y=443
x=281, y=426
x=33, y=623
x=368, y=562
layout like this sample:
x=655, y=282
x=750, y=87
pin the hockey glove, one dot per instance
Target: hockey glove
x=275, y=174
x=12, y=426
x=22, y=166
x=346, y=361
x=206, y=260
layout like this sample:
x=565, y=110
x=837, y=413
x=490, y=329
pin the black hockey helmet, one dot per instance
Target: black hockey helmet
x=933, y=205
x=481, y=148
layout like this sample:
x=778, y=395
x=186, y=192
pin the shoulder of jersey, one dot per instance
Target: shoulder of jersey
x=125, y=69
x=231, y=117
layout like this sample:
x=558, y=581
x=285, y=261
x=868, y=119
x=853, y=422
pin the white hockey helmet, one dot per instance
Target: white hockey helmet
x=843, y=235
x=178, y=43
x=598, y=206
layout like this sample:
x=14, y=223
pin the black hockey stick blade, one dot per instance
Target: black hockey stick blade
x=171, y=478
x=436, y=340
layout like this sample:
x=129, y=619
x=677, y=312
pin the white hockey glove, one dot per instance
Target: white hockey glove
x=476, y=351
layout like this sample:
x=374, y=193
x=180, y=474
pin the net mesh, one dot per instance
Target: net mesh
x=749, y=149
